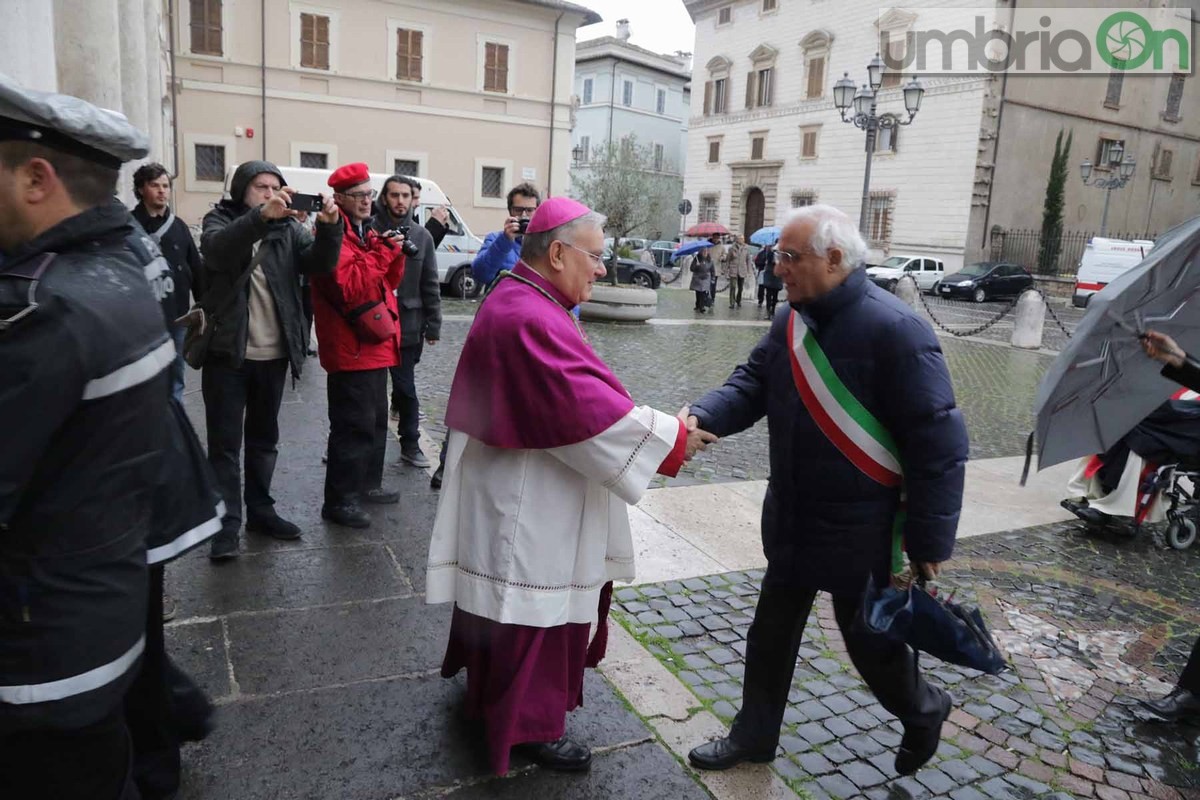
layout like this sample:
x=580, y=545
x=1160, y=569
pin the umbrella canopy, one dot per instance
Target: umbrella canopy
x=1102, y=384
x=707, y=229
x=765, y=236
x=688, y=248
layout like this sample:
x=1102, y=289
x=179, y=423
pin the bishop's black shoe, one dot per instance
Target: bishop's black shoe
x=1179, y=704
x=725, y=753
x=224, y=545
x=563, y=755
x=918, y=745
x=348, y=514
x=272, y=525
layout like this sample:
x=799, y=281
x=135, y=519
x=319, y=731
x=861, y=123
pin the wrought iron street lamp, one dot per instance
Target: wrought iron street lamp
x=1122, y=171
x=577, y=153
x=861, y=100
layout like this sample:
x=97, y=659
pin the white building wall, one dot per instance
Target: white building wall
x=932, y=173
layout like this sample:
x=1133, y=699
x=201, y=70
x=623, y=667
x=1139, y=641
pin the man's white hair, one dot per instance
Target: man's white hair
x=832, y=229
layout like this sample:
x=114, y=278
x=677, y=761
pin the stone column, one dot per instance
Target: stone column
x=907, y=290
x=87, y=44
x=1029, y=320
x=155, y=83
x=27, y=44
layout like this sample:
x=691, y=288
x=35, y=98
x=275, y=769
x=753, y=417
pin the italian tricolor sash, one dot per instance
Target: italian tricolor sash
x=845, y=421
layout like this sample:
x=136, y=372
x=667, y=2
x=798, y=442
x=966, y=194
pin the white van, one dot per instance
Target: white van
x=924, y=270
x=1102, y=262
x=454, y=254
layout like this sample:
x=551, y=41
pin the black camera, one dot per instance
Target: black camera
x=408, y=246
x=522, y=226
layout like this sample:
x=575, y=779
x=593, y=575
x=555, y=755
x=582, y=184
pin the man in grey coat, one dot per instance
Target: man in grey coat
x=420, y=304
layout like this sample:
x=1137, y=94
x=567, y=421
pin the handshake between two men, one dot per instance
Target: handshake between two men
x=698, y=439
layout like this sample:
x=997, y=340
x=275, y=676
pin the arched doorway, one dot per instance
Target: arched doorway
x=756, y=207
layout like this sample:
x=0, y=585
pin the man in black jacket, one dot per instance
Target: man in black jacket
x=420, y=303
x=254, y=297
x=152, y=186
x=85, y=360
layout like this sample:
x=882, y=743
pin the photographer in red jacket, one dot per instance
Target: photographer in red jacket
x=358, y=339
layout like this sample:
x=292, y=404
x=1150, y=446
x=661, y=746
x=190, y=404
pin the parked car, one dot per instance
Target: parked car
x=662, y=251
x=1102, y=262
x=630, y=270
x=632, y=243
x=925, y=270
x=986, y=280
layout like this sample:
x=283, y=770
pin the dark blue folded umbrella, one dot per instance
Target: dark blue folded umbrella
x=956, y=634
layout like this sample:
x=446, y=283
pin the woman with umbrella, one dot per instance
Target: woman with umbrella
x=702, y=271
x=1184, y=700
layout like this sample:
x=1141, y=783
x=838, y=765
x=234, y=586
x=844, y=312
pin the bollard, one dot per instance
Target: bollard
x=906, y=290
x=1029, y=319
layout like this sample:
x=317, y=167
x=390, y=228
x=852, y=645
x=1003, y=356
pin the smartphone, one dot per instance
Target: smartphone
x=307, y=202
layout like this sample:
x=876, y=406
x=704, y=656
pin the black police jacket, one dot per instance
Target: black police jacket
x=83, y=414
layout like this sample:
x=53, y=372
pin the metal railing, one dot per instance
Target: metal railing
x=1053, y=257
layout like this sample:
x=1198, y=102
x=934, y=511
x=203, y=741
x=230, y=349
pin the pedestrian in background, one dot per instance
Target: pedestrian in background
x=152, y=187
x=255, y=251
x=702, y=271
x=420, y=305
x=769, y=282
x=84, y=410
x=736, y=267
x=358, y=341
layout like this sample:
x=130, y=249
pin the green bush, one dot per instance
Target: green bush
x=625, y=251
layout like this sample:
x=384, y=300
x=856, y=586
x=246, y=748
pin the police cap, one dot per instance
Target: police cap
x=68, y=124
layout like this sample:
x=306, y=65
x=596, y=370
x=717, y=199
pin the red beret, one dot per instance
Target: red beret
x=349, y=175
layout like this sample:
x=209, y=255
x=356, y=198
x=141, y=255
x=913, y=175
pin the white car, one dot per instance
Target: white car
x=925, y=270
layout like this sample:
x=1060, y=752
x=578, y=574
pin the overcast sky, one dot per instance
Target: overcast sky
x=660, y=25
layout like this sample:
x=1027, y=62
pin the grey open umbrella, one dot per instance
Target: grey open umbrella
x=1102, y=384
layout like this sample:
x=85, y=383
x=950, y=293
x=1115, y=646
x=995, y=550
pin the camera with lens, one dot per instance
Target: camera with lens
x=522, y=226
x=408, y=246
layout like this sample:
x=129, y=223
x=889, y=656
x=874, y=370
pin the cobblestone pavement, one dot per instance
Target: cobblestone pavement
x=667, y=366
x=1088, y=624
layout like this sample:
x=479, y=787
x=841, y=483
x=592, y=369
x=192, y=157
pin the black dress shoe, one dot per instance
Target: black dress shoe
x=348, y=514
x=564, y=755
x=274, y=526
x=381, y=497
x=1179, y=704
x=224, y=545
x=436, y=481
x=725, y=753
x=918, y=745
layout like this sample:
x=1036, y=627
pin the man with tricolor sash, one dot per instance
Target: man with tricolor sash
x=868, y=452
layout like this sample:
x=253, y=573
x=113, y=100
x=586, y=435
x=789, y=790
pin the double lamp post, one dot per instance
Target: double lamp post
x=1122, y=171
x=847, y=96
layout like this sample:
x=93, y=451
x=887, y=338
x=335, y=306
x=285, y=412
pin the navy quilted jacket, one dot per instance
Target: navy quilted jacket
x=825, y=522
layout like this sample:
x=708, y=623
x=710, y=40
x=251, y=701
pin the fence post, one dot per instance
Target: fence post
x=1029, y=319
x=906, y=290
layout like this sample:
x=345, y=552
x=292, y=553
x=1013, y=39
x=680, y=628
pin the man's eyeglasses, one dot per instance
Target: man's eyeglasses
x=522, y=211
x=788, y=257
x=370, y=194
x=598, y=260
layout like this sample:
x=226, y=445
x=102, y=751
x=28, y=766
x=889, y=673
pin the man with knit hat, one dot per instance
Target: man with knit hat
x=545, y=451
x=255, y=250
x=358, y=339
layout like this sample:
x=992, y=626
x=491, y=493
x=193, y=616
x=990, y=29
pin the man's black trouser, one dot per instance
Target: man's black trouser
x=91, y=763
x=889, y=669
x=148, y=708
x=735, y=291
x=772, y=300
x=1189, y=679
x=358, y=428
x=236, y=399
x=404, y=394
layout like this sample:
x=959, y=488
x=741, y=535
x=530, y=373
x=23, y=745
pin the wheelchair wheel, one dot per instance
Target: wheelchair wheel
x=1181, y=533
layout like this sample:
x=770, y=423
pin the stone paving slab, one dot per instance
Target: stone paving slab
x=1089, y=625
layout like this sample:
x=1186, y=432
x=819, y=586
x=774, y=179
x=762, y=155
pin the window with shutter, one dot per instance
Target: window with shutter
x=627, y=94
x=766, y=86
x=751, y=78
x=757, y=145
x=770, y=5
x=587, y=91
x=1174, y=99
x=314, y=41
x=719, y=95
x=816, y=77
x=1116, y=80
x=725, y=15
x=495, y=67
x=714, y=151
x=808, y=139
x=1104, y=152
x=1162, y=163
x=708, y=92
x=659, y=158
x=660, y=101
x=409, y=52
x=205, y=24
x=585, y=149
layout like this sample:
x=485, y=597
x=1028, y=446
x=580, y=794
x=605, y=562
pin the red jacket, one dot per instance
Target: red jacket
x=365, y=272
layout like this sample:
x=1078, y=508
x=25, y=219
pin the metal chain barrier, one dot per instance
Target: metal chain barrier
x=1004, y=312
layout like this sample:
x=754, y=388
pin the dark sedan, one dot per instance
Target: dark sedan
x=985, y=281
x=630, y=270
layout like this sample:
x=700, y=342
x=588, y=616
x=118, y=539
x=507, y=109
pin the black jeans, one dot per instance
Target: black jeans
x=735, y=291
x=762, y=293
x=91, y=763
x=404, y=394
x=889, y=669
x=701, y=300
x=358, y=428
x=772, y=300
x=156, y=762
x=246, y=398
x=1189, y=679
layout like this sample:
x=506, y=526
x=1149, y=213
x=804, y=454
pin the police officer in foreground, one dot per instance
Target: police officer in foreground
x=84, y=357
